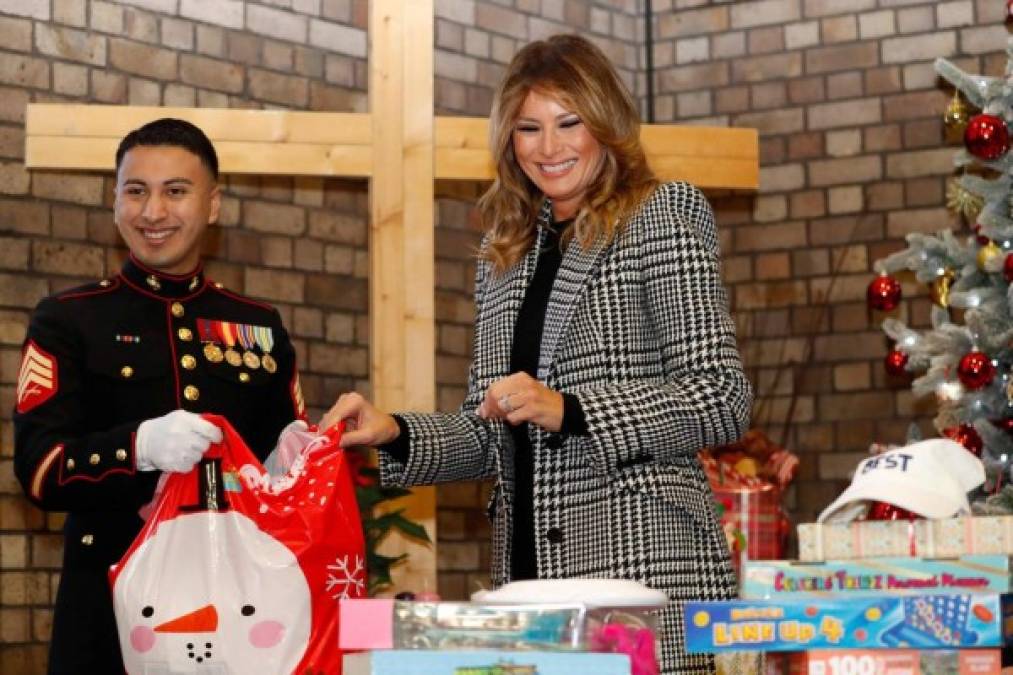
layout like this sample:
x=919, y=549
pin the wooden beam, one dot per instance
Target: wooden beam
x=401, y=249
x=75, y=137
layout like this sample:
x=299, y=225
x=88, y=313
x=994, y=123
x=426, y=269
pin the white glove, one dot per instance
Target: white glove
x=174, y=442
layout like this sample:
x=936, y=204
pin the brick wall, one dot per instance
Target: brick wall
x=853, y=157
x=298, y=243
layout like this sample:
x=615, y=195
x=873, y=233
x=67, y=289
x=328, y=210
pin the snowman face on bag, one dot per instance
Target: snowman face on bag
x=239, y=597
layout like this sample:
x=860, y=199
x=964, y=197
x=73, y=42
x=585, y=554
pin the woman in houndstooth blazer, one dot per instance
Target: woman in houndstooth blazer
x=604, y=354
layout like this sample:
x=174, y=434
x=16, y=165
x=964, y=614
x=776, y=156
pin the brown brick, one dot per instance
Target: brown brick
x=770, y=237
x=846, y=229
x=850, y=317
x=140, y=59
x=769, y=95
x=844, y=143
x=337, y=227
x=70, y=44
x=337, y=292
x=885, y=137
x=773, y=122
x=984, y=39
x=844, y=113
x=849, y=170
x=690, y=22
x=766, y=40
x=919, y=47
x=285, y=89
x=731, y=100
x=692, y=77
x=773, y=266
x=324, y=97
x=915, y=19
x=770, y=294
x=846, y=407
x=14, y=178
x=805, y=146
x=810, y=262
x=845, y=199
x=274, y=218
x=13, y=547
x=27, y=217
x=914, y=106
x=56, y=257
x=24, y=71
x=923, y=133
x=900, y=223
x=807, y=90
x=920, y=163
x=764, y=12
x=728, y=45
x=773, y=67
x=885, y=80
x=77, y=188
x=844, y=85
x=924, y=191
x=839, y=29
x=208, y=73
x=781, y=178
x=846, y=57
x=108, y=87
x=828, y=7
x=338, y=359
x=500, y=20
x=884, y=196
x=274, y=285
x=808, y=204
x=16, y=34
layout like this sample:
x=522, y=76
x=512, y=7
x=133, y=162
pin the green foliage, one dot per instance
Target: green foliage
x=376, y=528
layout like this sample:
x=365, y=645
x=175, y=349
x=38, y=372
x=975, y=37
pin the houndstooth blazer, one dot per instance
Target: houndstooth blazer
x=639, y=331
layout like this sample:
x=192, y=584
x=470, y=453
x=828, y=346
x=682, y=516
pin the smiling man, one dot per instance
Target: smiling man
x=114, y=376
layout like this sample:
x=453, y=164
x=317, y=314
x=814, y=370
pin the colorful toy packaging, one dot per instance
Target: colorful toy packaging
x=887, y=661
x=239, y=572
x=402, y=662
x=859, y=622
x=898, y=576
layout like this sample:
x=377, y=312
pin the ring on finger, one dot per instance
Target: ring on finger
x=504, y=403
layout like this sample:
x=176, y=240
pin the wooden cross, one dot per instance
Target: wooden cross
x=401, y=147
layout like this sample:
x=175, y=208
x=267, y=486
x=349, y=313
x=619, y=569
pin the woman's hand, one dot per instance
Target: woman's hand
x=366, y=424
x=521, y=398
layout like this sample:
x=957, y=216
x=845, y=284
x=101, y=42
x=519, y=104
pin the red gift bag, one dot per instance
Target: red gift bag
x=236, y=572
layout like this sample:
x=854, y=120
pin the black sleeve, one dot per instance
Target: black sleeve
x=61, y=466
x=573, y=423
x=400, y=448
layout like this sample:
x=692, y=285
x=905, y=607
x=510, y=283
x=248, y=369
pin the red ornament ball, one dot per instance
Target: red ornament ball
x=895, y=361
x=883, y=293
x=986, y=137
x=1007, y=265
x=967, y=436
x=884, y=511
x=975, y=370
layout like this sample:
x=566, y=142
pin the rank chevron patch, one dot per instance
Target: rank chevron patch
x=37, y=378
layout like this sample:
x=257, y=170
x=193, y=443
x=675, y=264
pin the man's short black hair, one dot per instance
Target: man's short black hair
x=173, y=132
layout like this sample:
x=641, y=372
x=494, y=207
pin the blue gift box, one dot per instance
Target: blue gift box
x=856, y=622
x=484, y=662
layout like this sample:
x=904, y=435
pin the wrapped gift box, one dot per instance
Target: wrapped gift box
x=854, y=622
x=926, y=538
x=894, y=662
x=900, y=576
x=417, y=662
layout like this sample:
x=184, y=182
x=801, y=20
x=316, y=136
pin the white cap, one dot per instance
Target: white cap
x=591, y=592
x=929, y=478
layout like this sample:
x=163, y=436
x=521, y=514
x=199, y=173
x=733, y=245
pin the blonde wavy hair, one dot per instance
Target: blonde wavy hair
x=580, y=77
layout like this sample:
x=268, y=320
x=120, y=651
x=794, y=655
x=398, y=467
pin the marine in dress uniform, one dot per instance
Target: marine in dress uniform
x=113, y=370
x=98, y=361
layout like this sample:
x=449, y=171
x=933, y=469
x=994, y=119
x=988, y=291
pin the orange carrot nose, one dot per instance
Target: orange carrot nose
x=203, y=620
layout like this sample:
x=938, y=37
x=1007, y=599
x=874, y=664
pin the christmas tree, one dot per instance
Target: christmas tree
x=965, y=359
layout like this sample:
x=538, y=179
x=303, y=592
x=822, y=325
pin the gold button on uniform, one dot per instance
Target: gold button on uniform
x=94, y=458
x=127, y=372
x=219, y=284
x=153, y=282
x=244, y=377
x=188, y=361
x=70, y=464
x=88, y=539
x=185, y=334
x=105, y=283
x=121, y=454
x=177, y=309
x=191, y=393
